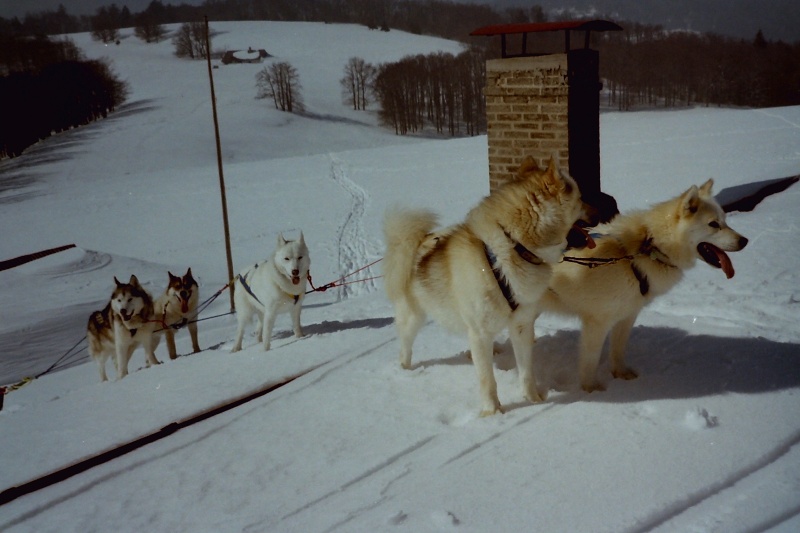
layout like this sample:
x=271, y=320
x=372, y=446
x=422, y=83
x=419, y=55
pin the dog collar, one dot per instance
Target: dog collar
x=295, y=297
x=523, y=252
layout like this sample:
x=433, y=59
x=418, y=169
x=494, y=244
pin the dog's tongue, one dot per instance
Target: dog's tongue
x=716, y=258
x=295, y=280
x=184, y=306
x=585, y=235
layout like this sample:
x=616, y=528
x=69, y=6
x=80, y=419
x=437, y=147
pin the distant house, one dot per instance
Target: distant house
x=244, y=56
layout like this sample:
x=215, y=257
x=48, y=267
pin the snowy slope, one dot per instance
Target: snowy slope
x=705, y=440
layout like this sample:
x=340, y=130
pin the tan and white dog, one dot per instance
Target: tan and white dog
x=645, y=253
x=125, y=323
x=177, y=307
x=485, y=274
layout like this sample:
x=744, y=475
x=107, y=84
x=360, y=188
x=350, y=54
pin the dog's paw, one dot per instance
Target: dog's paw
x=535, y=396
x=497, y=410
x=593, y=387
x=625, y=373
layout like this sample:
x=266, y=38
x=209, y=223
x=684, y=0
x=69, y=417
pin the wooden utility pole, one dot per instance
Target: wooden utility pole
x=219, y=167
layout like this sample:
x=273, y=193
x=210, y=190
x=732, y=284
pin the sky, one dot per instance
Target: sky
x=778, y=19
x=707, y=439
x=18, y=8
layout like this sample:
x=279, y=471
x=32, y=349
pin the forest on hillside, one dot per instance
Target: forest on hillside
x=642, y=66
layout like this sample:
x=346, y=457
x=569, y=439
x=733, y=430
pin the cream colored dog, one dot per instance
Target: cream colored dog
x=483, y=275
x=645, y=255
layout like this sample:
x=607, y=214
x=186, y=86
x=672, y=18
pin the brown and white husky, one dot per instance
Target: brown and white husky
x=177, y=306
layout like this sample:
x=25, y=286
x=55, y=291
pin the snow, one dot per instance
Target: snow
x=707, y=439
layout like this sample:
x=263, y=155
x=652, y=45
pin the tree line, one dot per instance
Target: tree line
x=50, y=87
x=439, y=91
x=645, y=66
x=642, y=66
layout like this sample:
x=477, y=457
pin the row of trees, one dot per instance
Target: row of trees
x=646, y=66
x=440, y=91
x=41, y=97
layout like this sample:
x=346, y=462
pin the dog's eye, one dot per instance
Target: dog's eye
x=714, y=224
x=285, y=258
x=300, y=258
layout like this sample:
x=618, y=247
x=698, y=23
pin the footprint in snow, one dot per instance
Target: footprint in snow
x=445, y=519
x=700, y=418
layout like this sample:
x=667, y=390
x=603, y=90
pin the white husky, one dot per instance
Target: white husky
x=278, y=285
x=126, y=322
x=650, y=251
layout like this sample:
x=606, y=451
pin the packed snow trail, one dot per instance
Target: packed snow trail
x=353, y=242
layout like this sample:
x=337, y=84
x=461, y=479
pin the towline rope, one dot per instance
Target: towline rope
x=341, y=281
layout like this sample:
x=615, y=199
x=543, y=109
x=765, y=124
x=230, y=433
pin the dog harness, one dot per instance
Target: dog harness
x=502, y=282
x=651, y=251
x=295, y=297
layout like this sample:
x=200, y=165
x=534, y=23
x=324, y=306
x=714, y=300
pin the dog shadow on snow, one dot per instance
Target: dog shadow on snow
x=333, y=326
x=671, y=363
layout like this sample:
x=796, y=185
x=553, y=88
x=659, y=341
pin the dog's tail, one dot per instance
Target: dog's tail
x=404, y=230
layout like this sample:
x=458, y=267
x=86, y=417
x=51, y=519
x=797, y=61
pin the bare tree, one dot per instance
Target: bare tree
x=148, y=29
x=105, y=24
x=190, y=41
x=357, y=81
x=280, y=82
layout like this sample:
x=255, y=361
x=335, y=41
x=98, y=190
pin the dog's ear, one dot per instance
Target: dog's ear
x=528, y=165
x=118, y=282
x=690, y=200
x=302, y=239
x=552, y=181
x=172, y=277
x=188, y=274
x=281, y=240
x=705, y=189
x=134, y=280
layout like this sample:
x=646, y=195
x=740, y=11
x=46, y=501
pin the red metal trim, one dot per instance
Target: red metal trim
x=535, y=27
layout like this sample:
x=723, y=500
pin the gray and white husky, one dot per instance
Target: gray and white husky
x=127, y=321
x=278, y=285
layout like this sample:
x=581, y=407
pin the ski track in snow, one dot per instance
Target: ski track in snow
x=770, y=114
x=718, y=489
x=352, y=240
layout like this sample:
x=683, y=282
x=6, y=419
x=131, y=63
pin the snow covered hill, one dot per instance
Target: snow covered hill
x=707, y=439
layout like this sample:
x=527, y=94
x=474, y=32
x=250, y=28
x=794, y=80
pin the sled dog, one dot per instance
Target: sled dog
x=278, y=285
x=177, y=307
x=650, y=249
x=485, y=274
x=126, y=322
